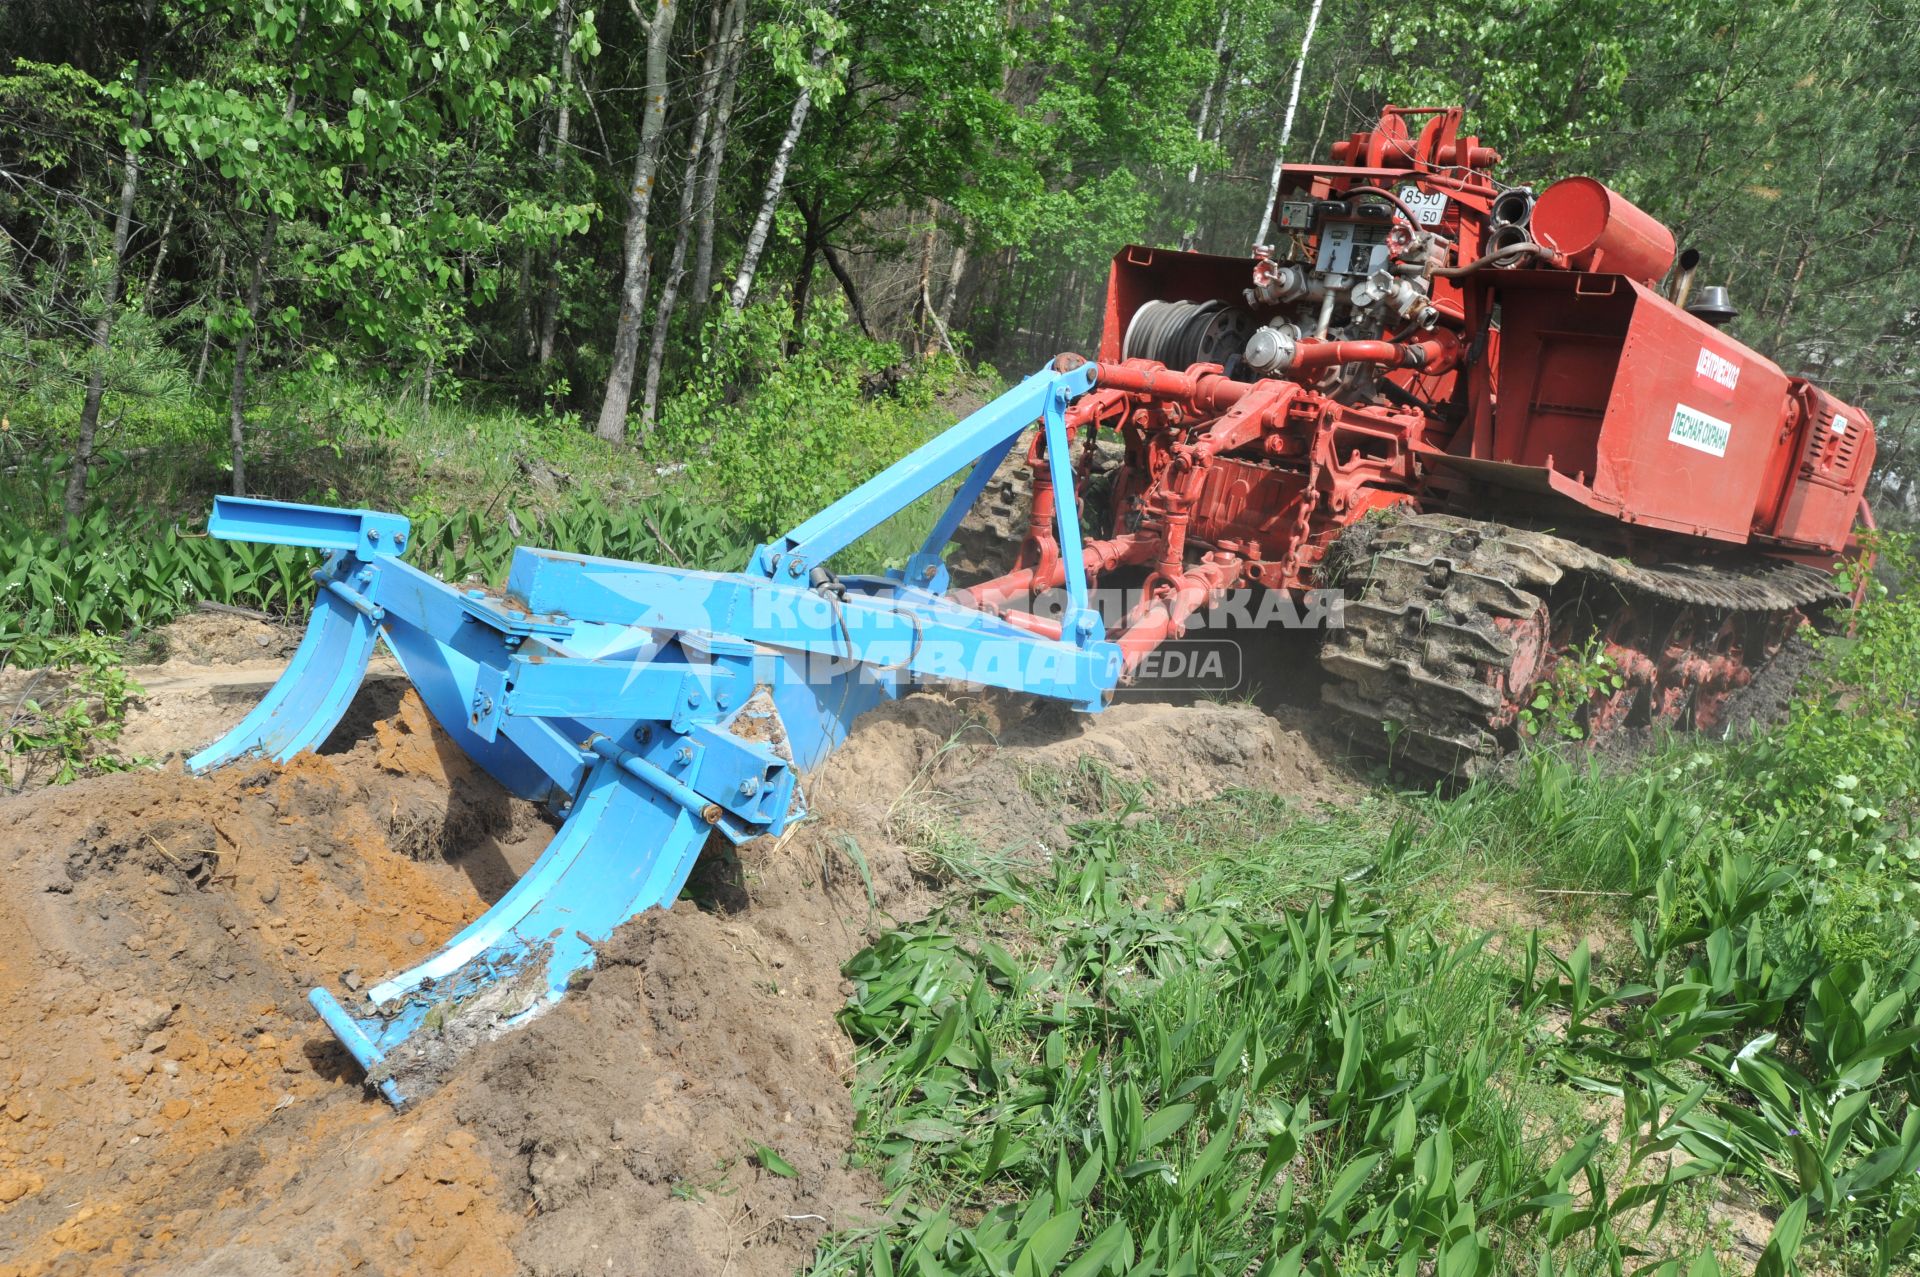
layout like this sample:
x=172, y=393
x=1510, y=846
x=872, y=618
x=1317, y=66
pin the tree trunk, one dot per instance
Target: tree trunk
x=846, y=286
x=102, y=342
x=75, y=497
x=776, y=183
x=734, y=42
x=1286, y=124
x=557, y=160
x=943, y=317
x=160, y=249
x=242, y=354
x=635, y=264
x=802, y=292
x=76, y=493
x=683, y=220
x=542, y=154
x=206, y=332
x=1217, y=85
x=1213, y=81
x=817, y=239
x=923, y=314
x=256, y=283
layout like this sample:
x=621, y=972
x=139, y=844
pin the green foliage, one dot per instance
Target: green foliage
x=1558, y=707
x=68, y=731
x=1084, y=1072
x=1495, y=54
x=50, y=106
x=792, y=36
x=812, y=426
x=1171, y=1052
x=389, y=123
x=1862, y=716
x=476, y=546
x=772, y=1163
x=106, y=574
x=1724, y=1044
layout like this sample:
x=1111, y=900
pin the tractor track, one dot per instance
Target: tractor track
x=1449, y=621
x=988, y=541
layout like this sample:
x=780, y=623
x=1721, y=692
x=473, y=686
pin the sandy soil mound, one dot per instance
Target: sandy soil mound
x=226, y=638
x=171, y=1105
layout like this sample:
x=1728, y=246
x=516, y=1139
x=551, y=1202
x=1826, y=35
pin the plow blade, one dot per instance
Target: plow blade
x=308, y=701
x=649, y=708
x=625, y=847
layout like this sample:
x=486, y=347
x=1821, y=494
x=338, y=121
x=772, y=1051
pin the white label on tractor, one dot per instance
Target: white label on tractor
x=1700, y=431
x=1839, y=424
x=1428, y=206
x=1716, y=372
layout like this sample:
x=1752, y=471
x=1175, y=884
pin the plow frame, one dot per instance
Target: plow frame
x=646, y=706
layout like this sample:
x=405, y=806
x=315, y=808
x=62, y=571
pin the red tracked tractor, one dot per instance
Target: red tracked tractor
x=1476, y=411
x=1469, y=408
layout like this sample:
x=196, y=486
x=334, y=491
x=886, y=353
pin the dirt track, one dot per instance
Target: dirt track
x=171, y=1105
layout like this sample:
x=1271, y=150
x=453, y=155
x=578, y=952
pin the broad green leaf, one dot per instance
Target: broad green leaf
x=773, y=1163
x=1163, y=1123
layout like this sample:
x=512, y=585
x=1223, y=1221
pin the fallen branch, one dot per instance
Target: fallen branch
x=228, y=609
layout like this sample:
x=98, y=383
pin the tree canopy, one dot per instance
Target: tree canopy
x=550, y=197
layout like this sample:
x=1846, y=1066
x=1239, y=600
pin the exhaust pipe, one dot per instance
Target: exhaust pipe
x=1683, y=282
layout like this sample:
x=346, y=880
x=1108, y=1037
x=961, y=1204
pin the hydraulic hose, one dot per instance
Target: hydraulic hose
x=1495, y=258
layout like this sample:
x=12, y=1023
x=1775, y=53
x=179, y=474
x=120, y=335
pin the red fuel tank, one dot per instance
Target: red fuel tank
x=1598, y=229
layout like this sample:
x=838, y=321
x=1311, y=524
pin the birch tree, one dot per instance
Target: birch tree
x=1286, y=123
x=635, y=263
x=149, y=295
x=821, y=76
x=726, y=15
x=709, y=193
x=1214, y=83
x=557, y=164
x=1217, y=86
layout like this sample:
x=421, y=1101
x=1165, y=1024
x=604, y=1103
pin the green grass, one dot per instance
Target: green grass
x=1157, y=1058
x=1233, y=1037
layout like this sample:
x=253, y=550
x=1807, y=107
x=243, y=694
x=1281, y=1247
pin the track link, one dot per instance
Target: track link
x=988, y=539
x=1449, y=621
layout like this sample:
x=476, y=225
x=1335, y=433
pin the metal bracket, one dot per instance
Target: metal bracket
x=365, y=534
x=516, y=623
x=491, y=686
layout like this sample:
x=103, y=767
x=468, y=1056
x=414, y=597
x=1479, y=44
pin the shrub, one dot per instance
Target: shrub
x=812, y=425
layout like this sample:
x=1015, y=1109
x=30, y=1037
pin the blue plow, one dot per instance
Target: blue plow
x=648, y=707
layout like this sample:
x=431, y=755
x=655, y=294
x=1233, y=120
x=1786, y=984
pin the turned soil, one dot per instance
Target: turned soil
x=170, y=1104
